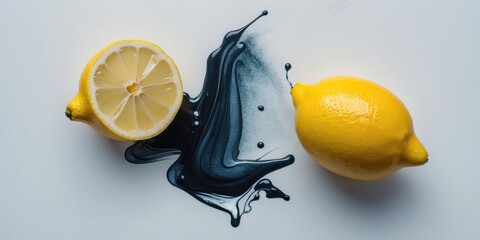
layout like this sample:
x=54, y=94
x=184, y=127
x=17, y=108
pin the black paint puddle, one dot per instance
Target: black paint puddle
x=206, y=135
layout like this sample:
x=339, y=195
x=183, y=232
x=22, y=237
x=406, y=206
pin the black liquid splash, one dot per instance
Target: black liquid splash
x=205, y=136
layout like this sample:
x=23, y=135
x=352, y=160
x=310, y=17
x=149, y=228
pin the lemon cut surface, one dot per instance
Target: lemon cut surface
x=131, y=90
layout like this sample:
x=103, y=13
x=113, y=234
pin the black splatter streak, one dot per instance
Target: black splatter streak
x=205, y=136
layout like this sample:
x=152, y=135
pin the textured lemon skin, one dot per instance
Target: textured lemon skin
x=356, y=128
x=80, y=107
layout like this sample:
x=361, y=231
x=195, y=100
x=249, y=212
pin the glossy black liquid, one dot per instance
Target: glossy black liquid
x=205, y=136
x=288, y=66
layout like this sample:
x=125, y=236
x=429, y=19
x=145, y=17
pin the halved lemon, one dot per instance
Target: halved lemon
x=131, y=90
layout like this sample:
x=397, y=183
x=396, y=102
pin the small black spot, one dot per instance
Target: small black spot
x=261, y=107
x=260, y=145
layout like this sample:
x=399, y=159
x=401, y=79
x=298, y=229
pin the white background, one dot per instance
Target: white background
x=60, y=180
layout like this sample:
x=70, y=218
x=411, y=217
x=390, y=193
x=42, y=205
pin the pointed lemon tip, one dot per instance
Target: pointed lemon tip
x=298, y=94
x=76, y=109
x=415, y=153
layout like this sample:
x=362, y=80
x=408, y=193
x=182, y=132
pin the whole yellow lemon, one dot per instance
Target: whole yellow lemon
x=356, y=128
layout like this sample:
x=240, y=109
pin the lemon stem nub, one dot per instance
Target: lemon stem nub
x=68, y=113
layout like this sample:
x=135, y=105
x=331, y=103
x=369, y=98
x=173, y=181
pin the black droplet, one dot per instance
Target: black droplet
x=260, y=144
x=288, y=66
x=265, y=12
x=261, y=108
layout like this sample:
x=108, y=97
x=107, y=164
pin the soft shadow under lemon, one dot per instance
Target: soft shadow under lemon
x=372, y=195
